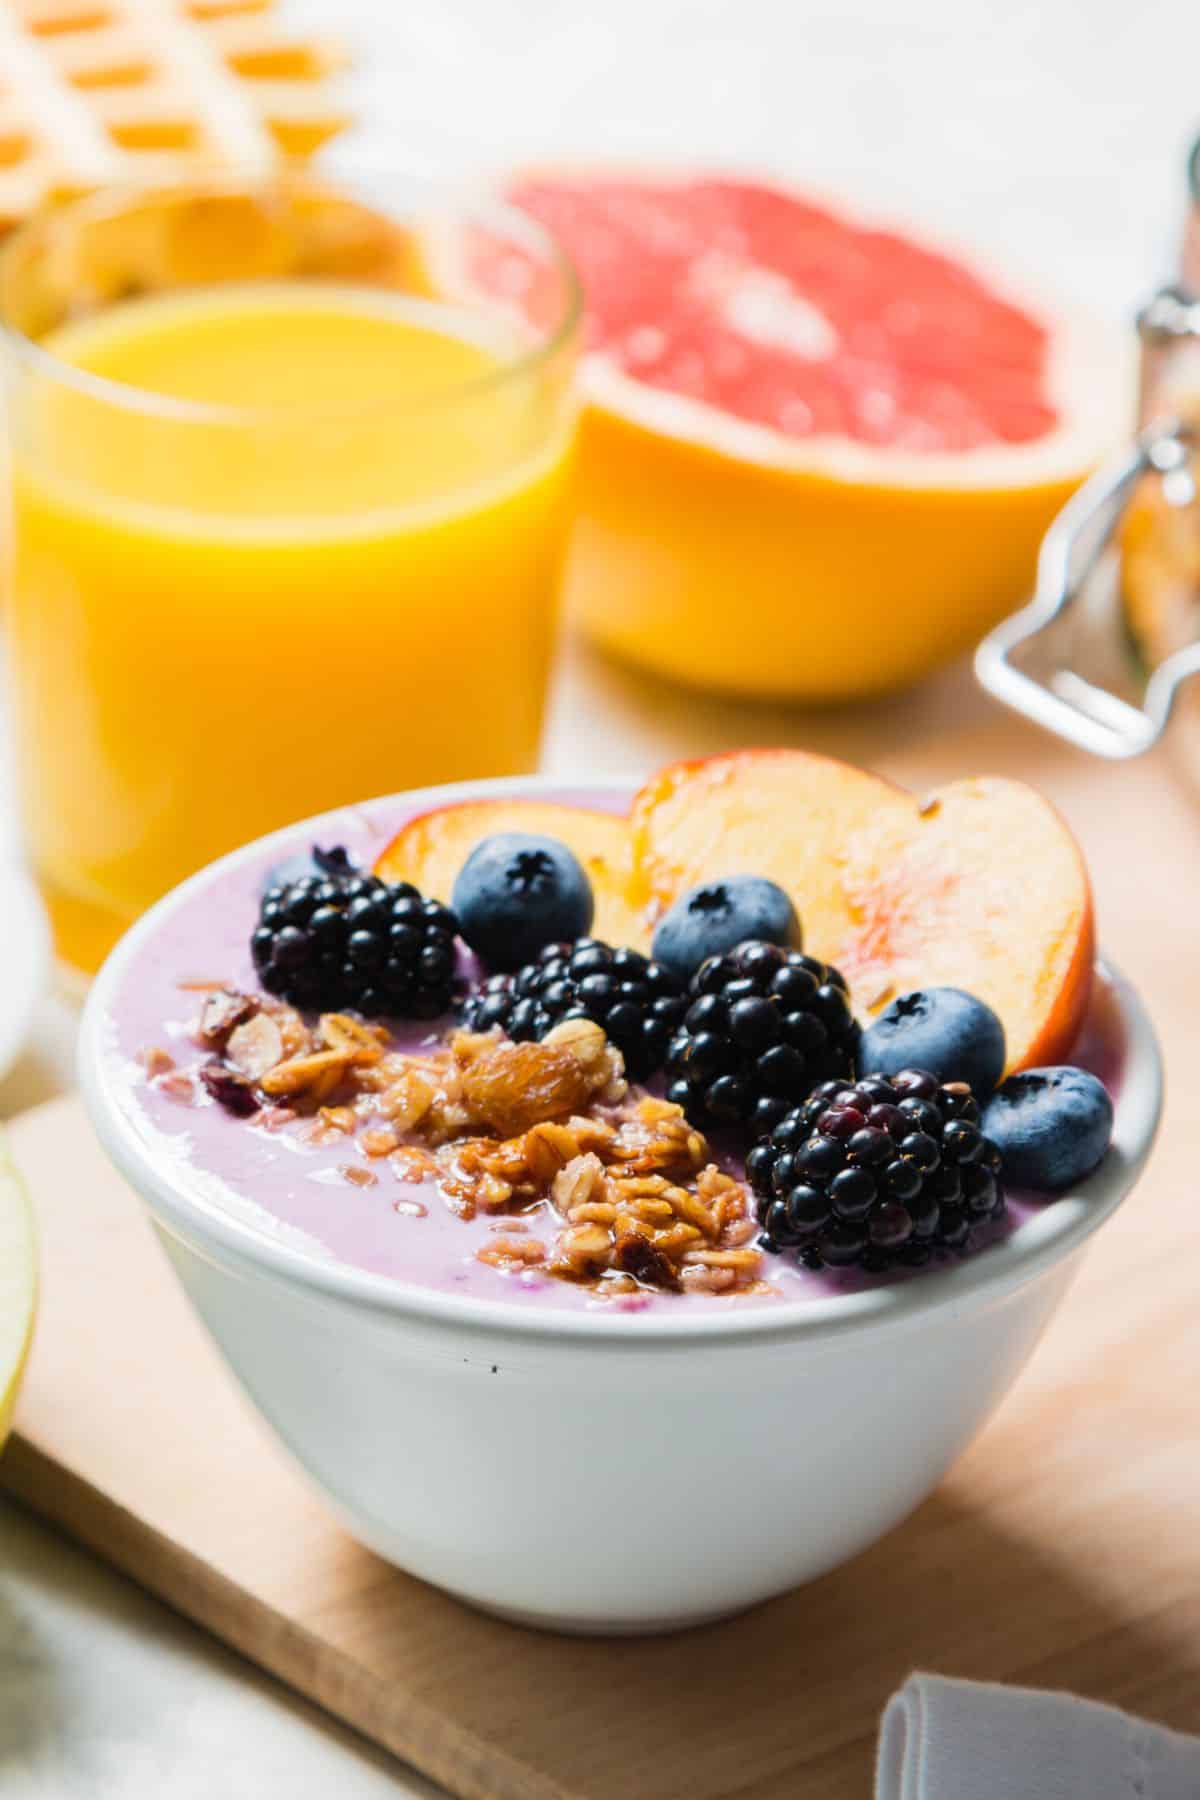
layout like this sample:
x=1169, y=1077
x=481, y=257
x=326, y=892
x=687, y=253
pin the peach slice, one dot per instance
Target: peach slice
x=779, y=813
x=979, y=886
x=431, y=849
x=982, y=888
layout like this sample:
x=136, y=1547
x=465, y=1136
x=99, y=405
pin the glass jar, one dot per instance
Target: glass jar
x=1106, y=651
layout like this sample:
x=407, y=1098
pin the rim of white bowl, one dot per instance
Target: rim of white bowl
x=203, y=1223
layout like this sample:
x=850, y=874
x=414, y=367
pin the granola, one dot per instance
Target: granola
x=623, y=1188
x=633, y=1194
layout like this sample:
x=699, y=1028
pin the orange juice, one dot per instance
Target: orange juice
x=294, y=544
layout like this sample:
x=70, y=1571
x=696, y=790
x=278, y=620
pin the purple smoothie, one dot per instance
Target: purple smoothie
x=301, y=1192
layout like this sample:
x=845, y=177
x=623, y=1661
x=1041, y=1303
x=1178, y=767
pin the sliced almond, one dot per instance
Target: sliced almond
x=317, y=1074
x=255, y=1047
x=221, y=1012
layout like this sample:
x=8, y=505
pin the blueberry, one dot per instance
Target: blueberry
x=516, y=893
x=712, y=919
x=942, y=1029
x=1051, y=1126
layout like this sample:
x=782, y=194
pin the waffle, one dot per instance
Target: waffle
x=100, y=91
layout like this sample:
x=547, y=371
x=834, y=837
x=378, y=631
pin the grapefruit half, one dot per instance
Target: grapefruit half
x=817, y=455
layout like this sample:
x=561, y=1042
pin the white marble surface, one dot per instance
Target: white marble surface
x=104, y=1693
x=1054, y=130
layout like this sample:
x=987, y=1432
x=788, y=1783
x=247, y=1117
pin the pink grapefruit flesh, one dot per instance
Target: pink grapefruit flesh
x=778, y=312
x=859, y=435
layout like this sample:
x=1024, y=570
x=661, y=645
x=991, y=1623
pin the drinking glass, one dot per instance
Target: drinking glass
x=288, y=483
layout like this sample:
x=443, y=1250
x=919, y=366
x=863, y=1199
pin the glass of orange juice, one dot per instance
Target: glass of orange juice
x=288, y=496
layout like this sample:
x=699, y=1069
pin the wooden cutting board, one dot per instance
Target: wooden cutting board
x=1063, y=1551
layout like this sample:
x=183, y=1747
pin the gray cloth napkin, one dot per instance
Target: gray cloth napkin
x=971, y=1740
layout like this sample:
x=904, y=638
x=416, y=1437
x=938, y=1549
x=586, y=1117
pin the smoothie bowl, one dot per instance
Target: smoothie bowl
x=625, y=1207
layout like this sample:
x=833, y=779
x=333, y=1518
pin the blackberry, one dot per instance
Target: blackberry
x=636, y=1001
x=342, y=939
x=763, y=1026
x=880, y=1171
x=334, y=861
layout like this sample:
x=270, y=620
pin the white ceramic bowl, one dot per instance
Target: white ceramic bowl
x=604, y=1472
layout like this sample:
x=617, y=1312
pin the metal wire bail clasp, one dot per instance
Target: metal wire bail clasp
x=1066, y=702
